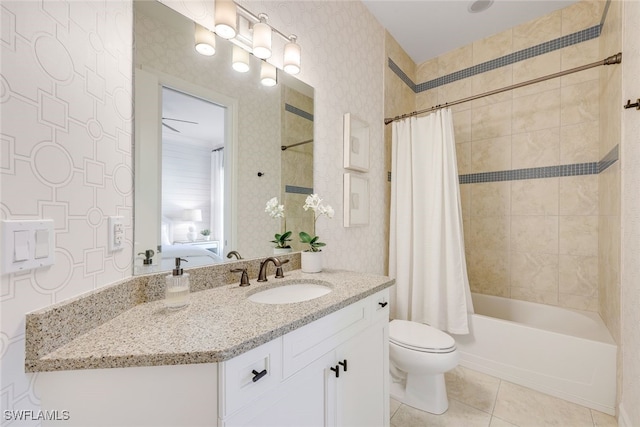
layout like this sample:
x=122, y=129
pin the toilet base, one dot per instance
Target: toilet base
x=424, y=392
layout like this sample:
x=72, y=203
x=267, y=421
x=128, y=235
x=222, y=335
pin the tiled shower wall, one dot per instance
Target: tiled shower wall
x=296, y=163
x=530, y=235
x=609, y=181
x=609, y=225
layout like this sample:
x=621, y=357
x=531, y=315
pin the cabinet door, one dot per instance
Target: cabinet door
x=362, y=388
x=297, y=402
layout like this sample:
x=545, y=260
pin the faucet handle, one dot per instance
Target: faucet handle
x=148, y=255
x=244, y=279
x=279, y=273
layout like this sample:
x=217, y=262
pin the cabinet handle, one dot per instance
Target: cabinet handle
x=344, y=364
x=257, y=375
x=336, y=370
x=383, y=304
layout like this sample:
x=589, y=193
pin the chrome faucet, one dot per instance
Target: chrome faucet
x=262, y=275
x=232, y=254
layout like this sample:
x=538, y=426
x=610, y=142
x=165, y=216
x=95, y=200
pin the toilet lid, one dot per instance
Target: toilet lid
x=420, y=337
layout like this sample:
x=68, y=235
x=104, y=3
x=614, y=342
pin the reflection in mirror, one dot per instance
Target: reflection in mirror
x=193, y=146
x=212, y=146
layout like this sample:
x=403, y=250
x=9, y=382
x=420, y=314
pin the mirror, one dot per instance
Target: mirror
x=212, y=146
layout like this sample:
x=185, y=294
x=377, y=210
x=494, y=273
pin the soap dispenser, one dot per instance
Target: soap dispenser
x=177, y=290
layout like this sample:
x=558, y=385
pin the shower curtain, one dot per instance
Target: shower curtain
x=217, y=197
x=426, y=245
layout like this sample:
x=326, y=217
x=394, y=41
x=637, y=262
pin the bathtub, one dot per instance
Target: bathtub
x=566, y=353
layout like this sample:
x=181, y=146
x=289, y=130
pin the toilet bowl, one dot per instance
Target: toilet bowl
x=419, y=356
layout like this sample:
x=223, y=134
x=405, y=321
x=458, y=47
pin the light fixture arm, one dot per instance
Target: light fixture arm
x=256, y=18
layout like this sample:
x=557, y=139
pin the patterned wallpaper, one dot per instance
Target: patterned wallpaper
x=65, y=94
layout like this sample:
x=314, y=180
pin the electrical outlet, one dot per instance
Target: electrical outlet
x=116, y=233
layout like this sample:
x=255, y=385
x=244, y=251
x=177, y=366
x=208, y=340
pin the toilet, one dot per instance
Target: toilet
x=419, y=355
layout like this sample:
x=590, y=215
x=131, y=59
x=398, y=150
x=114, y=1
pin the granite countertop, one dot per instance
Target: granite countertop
x=217, y=325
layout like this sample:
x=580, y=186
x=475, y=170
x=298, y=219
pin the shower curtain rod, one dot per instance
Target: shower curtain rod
x=284, y=147
x=613, y=59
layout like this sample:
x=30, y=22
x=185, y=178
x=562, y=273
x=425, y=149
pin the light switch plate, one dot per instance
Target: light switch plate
x=21, y=250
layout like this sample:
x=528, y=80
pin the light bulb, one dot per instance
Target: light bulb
x=240, y=59
x=225, y=17
x=205, y=41
x=262, y=38
x=292, y=56
x=268, y=74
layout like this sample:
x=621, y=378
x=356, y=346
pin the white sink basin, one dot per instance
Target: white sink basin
x=289, y=293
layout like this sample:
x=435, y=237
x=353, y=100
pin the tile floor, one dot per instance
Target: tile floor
x=477, y=399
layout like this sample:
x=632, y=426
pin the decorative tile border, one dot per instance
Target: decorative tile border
x=298, y=112
x=297, y=190
x=592, y=168
x=531, y=173
x=608, y=160
x=403, y=76
x=521, y=55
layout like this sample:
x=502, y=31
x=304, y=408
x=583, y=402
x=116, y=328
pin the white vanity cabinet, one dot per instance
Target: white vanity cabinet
x=334, y=373
x=295, y=382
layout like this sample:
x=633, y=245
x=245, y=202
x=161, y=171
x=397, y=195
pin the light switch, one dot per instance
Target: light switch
x=27, y=244
x=42, y=244
x=20, y=245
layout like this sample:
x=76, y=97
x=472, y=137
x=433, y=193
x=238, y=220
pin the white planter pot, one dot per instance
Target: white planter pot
x=311, y=262
x=282, y=251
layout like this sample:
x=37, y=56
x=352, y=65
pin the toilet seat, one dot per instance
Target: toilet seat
x=420, y=337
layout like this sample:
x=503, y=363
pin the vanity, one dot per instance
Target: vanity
x=225, y=359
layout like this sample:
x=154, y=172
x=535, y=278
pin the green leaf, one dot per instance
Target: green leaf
x=286, y=235
x=304, y=237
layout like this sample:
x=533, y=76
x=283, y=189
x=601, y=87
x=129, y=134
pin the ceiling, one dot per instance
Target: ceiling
x=190, y=118
x=428, y=28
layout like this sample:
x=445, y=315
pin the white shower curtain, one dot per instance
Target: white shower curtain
x=217, y=197
x=426, y=245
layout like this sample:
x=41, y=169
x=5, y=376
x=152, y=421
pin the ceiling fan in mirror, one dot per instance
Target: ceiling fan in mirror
x=176, y=120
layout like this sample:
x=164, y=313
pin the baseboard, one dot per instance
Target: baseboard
x=623, y=417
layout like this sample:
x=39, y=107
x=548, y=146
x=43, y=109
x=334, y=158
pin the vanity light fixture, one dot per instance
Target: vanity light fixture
x=262, y=37
x=250, y=34
x=240, y=59
x=205, y=41
x=226, y=19
x=291, y=62
x=268, y=74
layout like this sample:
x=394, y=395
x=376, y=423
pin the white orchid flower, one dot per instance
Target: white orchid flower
x=274, y=209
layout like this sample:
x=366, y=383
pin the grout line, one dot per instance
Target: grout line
x=495, y=399
x=592, y=419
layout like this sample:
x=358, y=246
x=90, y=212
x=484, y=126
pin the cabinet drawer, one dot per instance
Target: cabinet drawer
x=242, y=378
x=304, y=345
x=380, y=305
